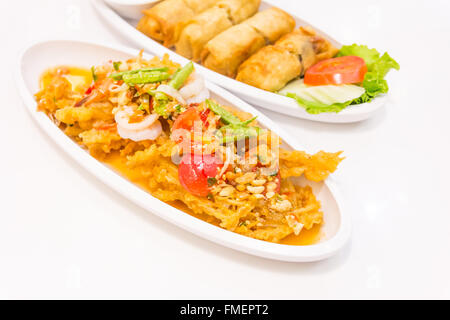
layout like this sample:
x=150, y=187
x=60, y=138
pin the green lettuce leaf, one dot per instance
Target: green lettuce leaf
x=315, y=107
x=377, y=68
x=369, y=55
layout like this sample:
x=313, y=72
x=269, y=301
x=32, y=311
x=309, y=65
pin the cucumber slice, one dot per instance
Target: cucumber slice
x=328, y=94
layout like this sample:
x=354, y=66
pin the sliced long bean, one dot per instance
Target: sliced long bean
x=226, y=116
x=232, y=133
x=119, y=75
x=235, y=129
x=181, y=76
x=145, y=77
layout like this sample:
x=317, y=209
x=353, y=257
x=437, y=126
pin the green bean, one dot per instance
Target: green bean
x=94, y=75
x=145, y=77
x=238, y=132
x=247, y=122
x=180, y=77
x=226, y=116
x=119, y=75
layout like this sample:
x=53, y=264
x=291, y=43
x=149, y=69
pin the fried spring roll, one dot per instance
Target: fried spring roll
x=272, y=67
x=200, y=30
x=225, y=52
x=160, y=21
x=206, y=25
x=272, y=23
x=311, y=48
x=239, y=10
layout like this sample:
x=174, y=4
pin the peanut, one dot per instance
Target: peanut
x=255, y=190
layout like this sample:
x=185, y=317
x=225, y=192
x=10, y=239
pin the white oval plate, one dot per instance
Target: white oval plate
x=40, y=56
x=268, y=100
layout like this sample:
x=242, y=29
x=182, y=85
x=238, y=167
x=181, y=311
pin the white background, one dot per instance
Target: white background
x=65, y=235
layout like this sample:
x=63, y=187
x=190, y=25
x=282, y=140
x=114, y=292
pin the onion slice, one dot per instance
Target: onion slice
x=171, y=92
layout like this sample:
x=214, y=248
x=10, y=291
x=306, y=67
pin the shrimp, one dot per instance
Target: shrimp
x=150, y=133
x=147, y=129
x=122, y=118
x=194, y=89
x=199, y=98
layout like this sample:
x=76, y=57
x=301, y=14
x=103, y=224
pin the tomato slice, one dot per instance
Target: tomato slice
x=186, y=119
x=341, y=70
x=194, y=171
x=182, y=131
x=183, y=128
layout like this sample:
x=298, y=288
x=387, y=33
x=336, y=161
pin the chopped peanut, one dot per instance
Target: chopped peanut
x=255, y=190
x=226, y=192
x=246, y=178
x=271, y=186
x=258, y=182
x=281, y=206
x=258, y=196
x=270, y=194
x=242, y=195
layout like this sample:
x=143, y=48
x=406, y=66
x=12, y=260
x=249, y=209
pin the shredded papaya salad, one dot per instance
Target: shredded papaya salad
x=159, y=122
x=355, y=76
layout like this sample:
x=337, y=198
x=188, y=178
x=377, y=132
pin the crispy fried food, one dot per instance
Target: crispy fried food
x=272, y=67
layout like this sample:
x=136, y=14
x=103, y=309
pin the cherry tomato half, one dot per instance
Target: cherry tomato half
x=182, y=129
x=194, y=171
x=186, y=119
x=341, y=70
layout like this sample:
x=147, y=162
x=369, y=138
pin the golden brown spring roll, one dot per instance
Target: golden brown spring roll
x=239, y=10
x=272, y=67
x=272, y=23
x=305, y=43
x=206, y=25
x=200, y=5
x=200, y=30
x=225, y=52
x=160, y=21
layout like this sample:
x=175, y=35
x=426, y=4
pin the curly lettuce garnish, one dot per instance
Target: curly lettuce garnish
x=377, y=68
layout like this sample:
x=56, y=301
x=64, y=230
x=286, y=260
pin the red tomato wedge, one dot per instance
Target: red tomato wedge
x=182, y=129
x=186, y=119
x=341, y=70
x=194, y=171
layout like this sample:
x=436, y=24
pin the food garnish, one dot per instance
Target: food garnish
x=369, y=77
x=341, y=70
